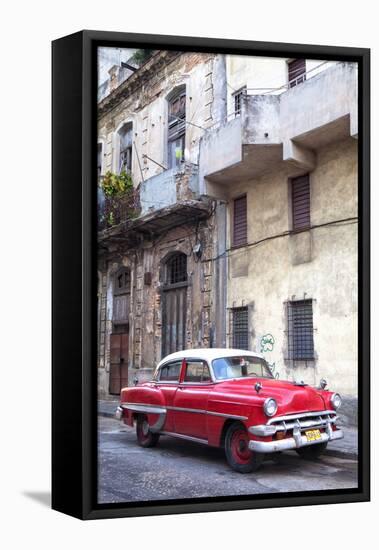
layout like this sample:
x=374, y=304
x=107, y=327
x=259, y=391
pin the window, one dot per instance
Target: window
x=121, y=296
x=176, y=127
x=99, y=159
x=126, y=143
x=240, y=221
x=237, y=96
x=240, y=367
x=122, y=281
x=300, y=330
x=296, y=72
x=176, y=269
x=197, y=372
x=301, y=207
x=170, y=372
x=240, y=328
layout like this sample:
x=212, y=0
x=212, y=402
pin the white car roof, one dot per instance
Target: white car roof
x=208, y=354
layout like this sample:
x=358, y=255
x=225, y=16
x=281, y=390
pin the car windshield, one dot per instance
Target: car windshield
x=240, y=366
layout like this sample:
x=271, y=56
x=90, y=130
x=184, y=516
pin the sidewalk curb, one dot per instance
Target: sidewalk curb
x=341, y=454
x=106, y=414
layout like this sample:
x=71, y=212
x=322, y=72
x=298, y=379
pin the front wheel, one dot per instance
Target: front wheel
x=145, y=437
x=312, y=452
x=237, y=451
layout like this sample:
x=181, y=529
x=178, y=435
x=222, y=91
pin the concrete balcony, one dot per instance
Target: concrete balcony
x=168, y=188
x=286, y=126
x=160, y=203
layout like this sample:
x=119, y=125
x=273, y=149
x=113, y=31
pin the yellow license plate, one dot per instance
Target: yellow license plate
x=313, y=435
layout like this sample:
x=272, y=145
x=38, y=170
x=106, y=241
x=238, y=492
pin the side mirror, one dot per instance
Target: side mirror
x=323, y=384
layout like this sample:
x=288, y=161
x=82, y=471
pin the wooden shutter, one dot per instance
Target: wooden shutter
x=301, y=207
x=240, y=221
x=296, y=72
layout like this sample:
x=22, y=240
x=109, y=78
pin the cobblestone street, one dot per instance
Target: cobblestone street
x=182, y=469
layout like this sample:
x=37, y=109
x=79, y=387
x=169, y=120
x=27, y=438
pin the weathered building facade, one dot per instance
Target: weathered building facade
x=244, y=228
x=154, y=287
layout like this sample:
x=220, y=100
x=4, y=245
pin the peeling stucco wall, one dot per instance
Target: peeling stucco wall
x=319, y=264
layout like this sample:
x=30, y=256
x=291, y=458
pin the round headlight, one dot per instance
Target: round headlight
x=336, y=401
x=270, y=406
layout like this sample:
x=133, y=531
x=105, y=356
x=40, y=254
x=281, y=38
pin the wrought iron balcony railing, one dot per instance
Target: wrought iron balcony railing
x=117, y=209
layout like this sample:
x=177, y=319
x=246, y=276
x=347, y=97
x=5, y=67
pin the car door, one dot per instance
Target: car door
x=167, y=381
x=191, y=399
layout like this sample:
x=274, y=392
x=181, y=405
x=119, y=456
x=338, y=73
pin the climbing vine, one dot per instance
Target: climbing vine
x=120, y=199
x=116, y=184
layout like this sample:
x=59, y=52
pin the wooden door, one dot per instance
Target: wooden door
x=174, y=319
x=118, y=374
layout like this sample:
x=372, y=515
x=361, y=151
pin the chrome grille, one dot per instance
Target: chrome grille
x=304, y=421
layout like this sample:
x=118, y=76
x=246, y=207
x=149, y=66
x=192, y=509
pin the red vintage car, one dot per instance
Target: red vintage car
x=229, y=398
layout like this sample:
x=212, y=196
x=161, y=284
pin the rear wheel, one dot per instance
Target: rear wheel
x=145, y=437
x=237, y=451
x=312, y=452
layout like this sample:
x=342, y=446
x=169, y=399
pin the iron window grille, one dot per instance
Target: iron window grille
x=240, y=321
x=237, y=96
x=300, y=330
x=176, y=269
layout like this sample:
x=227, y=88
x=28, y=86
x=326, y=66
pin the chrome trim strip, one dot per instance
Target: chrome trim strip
x=147, y=408
x=235, y=416
x=292, y=442
x=189, y=437
x=158, y=409
x=185, y=409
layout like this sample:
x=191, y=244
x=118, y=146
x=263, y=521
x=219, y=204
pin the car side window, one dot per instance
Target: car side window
x=170, y=372
x=197, y=372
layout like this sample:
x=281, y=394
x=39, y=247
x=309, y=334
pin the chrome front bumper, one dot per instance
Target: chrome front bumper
x=297, y=424
x=119, y=413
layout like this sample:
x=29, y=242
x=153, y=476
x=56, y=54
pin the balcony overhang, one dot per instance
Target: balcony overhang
x=285, y=129
x=132, y=232
x=169, y=187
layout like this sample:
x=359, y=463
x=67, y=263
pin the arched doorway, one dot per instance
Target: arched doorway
x=174, y=303
x=119, y=339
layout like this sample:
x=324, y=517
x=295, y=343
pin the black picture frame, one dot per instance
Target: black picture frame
x=74, y=387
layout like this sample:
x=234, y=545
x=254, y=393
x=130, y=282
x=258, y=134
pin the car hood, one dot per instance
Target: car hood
x=291, y=397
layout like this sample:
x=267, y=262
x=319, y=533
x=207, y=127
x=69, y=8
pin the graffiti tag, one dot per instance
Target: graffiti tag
x=267, y=343
x=272, y=367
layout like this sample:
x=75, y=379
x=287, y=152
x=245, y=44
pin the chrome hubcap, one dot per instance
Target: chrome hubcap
x=145, y=428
